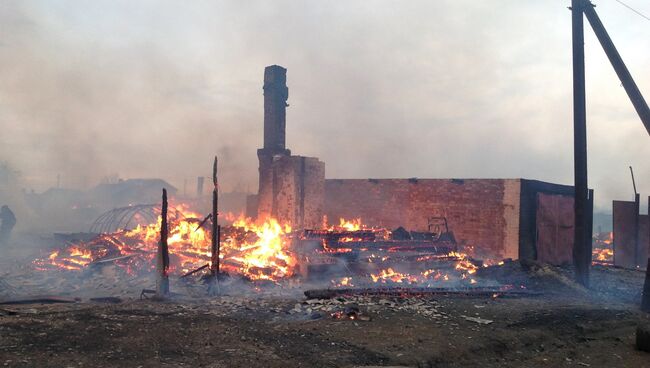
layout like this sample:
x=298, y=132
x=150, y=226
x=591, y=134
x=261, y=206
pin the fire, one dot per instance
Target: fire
x=345, y=225
x=464, y=264
x=603, y=255
x=602, y=252
x=343, y=282
x=390, y=275
x=257, y=251
x=269, y=257
x=260, y=251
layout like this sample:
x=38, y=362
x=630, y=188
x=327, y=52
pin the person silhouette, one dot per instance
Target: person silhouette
x=8, y=222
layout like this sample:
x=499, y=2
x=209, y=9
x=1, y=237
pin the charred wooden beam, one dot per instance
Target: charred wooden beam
x=195, y=271
x=632, y=90
x=200, y=225
x=480, y=292
x=110, y=260
x=335, y=236
x=216, y=246
x=396, y=246
x=39, y=300
x=162, y=266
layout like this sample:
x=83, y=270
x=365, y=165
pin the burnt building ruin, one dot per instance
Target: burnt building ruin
x=508, y=218
x=290, y=187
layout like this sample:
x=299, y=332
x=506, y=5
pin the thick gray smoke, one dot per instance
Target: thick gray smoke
x=377, y=89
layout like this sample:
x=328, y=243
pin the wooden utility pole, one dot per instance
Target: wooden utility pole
x=645, y=297
x=162, y=264
x=216, y=229
x=582, y=242
x=615, y=59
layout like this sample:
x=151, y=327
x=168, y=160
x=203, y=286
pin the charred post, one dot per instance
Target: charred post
x=162, y=265
x=637, y=246
x=215, y=241
x=581, y=242
x=645, y=297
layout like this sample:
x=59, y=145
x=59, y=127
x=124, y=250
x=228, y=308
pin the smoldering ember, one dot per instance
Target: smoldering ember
x=311, y=269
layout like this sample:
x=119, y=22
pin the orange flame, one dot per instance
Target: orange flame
x=256, y=251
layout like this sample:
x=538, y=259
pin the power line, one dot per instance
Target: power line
x=632, y=9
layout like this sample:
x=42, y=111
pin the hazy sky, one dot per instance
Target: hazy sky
x=429, y=89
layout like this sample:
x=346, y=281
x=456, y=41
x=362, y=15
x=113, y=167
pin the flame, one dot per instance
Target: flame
x=464, y=264
x=389, y=275
x=256, y=251
x=602, y=252
x=603, y=255
x=269, y=257
x=343, y=282
x=344, y=225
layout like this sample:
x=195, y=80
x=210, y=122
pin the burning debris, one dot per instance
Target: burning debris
x=345, y=255
x=603, y=248
x=252, y=250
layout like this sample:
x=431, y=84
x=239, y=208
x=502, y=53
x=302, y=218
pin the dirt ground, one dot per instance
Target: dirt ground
x=565, y=326
x=242, y=332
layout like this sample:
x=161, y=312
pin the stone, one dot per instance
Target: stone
x=643, y=337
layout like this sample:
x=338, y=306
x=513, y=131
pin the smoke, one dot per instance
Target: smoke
x=377, y=89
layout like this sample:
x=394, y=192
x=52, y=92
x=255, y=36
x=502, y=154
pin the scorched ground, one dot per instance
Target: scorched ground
x=565, y=326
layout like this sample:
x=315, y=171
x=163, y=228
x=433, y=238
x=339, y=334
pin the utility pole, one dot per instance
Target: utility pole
x=581, y=247
x=582, y=241
x=645, y=297
x=615, y=59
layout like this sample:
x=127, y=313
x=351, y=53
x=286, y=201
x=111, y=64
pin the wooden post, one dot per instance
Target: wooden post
x=162, y=264
x=582, y=242
x=216, y=229
x=645, y=297
x=638, y=262
x=589, y=230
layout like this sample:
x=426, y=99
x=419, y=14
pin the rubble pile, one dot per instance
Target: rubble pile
x=361, y=306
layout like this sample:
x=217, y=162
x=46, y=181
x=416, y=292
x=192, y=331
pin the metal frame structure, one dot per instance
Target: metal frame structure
x=124, y=218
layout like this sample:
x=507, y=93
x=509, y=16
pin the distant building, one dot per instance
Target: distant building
x=129, y=192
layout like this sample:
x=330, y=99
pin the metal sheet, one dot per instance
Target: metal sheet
x=555, y=228
x=644, y=238
x=624, y=213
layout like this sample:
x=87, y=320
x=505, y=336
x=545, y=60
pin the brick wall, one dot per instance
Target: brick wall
x=481, y=212
x=297, y=191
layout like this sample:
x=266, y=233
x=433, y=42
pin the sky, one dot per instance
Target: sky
x=377, y=89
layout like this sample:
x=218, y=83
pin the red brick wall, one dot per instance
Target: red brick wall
x=474, y=208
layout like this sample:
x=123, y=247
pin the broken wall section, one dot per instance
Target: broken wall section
x=483, y=213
